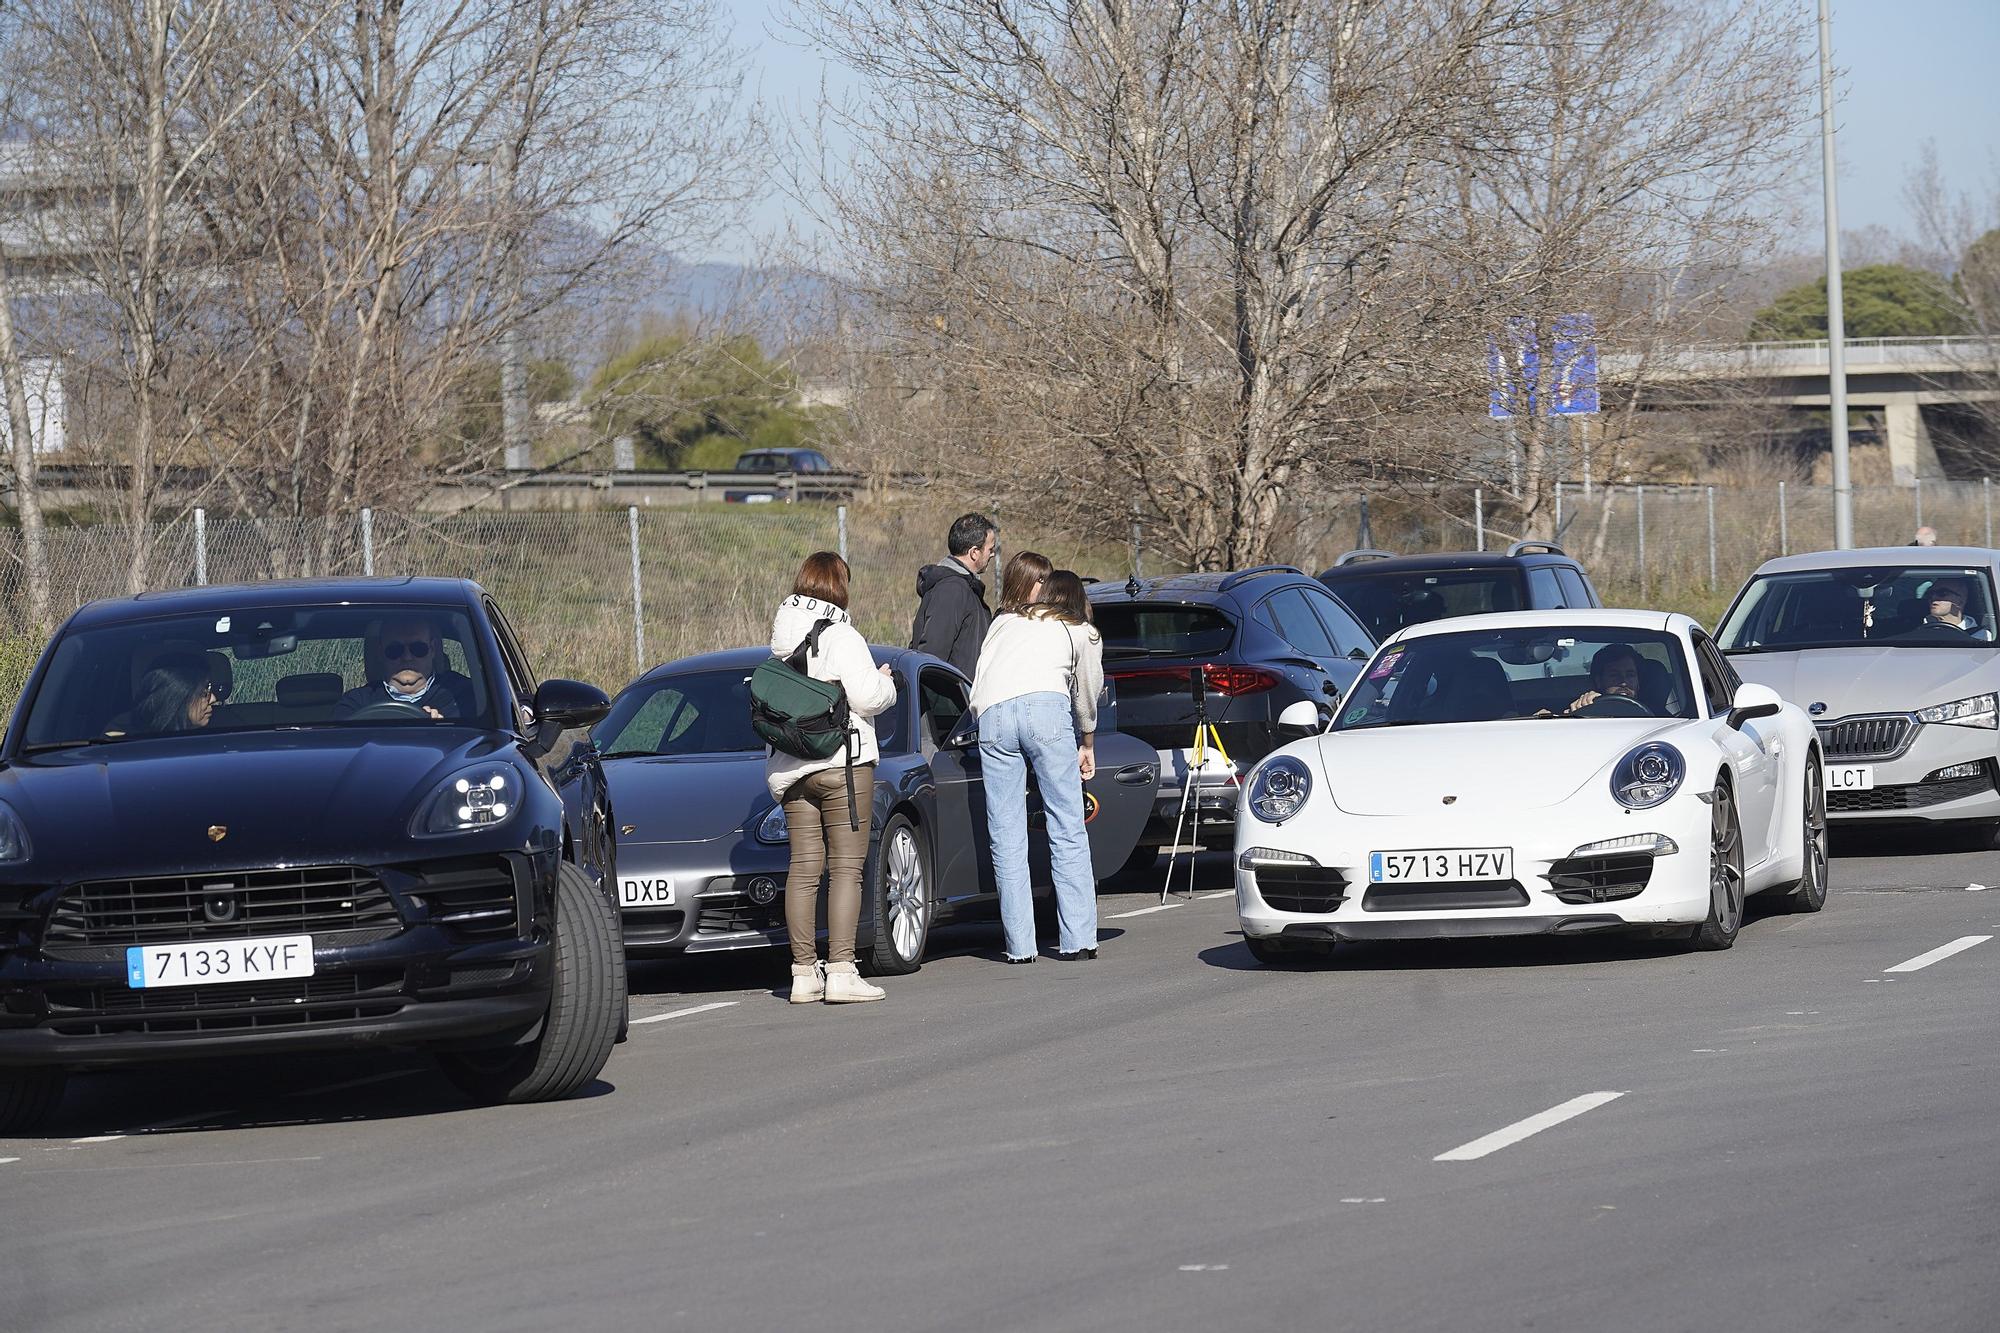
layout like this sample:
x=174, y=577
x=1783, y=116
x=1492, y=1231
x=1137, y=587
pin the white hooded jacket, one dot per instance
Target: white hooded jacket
x=843, y=656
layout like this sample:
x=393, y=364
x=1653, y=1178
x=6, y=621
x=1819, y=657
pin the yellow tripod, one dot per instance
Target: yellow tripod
x=1205, y=738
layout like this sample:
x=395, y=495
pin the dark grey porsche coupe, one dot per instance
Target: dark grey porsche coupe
x=702, y=851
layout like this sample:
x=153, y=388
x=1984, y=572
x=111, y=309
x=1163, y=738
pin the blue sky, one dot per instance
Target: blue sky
x=1914, y=70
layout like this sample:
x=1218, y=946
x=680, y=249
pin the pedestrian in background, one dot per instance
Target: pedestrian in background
x=951, y=596
x=828, y=836
x=1926, y=536
x=1035, y=695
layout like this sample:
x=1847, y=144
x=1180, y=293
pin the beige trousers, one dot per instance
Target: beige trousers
x=822, y=843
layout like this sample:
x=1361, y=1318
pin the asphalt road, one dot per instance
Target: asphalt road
x=1785, y=1136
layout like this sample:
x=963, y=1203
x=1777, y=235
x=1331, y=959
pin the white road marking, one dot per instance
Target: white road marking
x=1359, y=1200
x=5, y=1160
x=1521, y=1129
x=1204, y=1268
x=99, y=1138
x=682, y=1013
x=1143, y=911
x=1939, y=954
x=1975, y=888
x=1225, y=893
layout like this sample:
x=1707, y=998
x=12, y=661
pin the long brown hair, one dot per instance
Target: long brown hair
x=1017, y=583
x=1063, y=598
x=823, y=575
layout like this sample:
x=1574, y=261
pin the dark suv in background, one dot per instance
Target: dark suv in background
x=1261, y=638
x=1388, y=591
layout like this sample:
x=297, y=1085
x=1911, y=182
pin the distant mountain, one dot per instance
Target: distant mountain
x=777, y=305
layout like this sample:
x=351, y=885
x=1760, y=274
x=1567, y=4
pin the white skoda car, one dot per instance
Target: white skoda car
x=1892, y=652
x=1531, y=773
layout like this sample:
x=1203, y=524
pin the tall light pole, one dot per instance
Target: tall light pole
x=1836, y=322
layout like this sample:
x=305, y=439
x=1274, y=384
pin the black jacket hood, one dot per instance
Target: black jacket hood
x=930, y=576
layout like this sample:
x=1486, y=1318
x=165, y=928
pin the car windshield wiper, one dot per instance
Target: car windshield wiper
x=46, y=746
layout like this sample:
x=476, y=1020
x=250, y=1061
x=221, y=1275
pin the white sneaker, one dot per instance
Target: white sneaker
x=845, y=986
x=808, y=983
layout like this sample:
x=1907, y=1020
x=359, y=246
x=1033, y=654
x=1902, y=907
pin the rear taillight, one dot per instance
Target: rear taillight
x=1224, y=680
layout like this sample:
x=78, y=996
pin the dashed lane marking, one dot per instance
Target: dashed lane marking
x=1143, y=911
x=1939, y=954
x=683, y=1013
x=5, y=1160
x=1521, y=1129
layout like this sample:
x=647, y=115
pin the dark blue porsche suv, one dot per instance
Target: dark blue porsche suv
x=303, y=817
x=1250, y=642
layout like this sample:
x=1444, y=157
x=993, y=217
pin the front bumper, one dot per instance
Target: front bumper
x=1907, y=787
x=727, y=893
x=1337, y=902
x=451, y=954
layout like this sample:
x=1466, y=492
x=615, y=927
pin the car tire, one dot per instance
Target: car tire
x=1272, y=953
x=1725, y=875
x=27, y=1096
x=586, y=1003
x=1809, y=894
x=900, y=900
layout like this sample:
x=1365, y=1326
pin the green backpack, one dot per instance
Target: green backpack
x=794, y=713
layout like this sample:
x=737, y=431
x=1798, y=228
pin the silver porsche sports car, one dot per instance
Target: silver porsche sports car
x=1891, y=652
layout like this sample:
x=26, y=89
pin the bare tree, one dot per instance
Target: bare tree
x=1165, y=260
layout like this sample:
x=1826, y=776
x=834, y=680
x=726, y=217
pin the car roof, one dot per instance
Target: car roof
x=1432, y=562
x=746, y=659
x=1864, y=556
x=1204, y=584
x=283, y=592
x=1580, y=618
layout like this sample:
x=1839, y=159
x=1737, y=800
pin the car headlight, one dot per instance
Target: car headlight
x=772, y=827
x=472, y=798
x=1648, y=775
x=14, y=845
x=1279, y=789
x=1981, y=710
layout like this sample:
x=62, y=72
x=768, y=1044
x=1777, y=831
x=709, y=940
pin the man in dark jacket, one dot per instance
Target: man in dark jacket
x=951, y=598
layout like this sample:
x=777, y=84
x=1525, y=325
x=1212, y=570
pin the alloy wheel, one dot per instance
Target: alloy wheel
x=1725, y=864
x=908, y=902
x=1814, y=888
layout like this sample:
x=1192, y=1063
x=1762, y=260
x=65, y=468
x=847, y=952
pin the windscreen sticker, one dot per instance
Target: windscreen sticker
x=222, y=625
x=1386, y=667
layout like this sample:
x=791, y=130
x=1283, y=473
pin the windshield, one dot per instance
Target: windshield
x=1916, y=606
x=216, y=673
x=1139, y=629
x=1534, y=671
x=1389, y=602
x=700, y=712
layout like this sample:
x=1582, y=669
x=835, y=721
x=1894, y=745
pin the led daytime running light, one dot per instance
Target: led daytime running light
x=1653, y=844
x=1981, y=710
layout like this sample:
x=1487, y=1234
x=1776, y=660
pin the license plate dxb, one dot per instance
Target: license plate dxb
x=218, y=962
x=1441, y=864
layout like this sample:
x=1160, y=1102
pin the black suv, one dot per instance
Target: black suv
x=1260, y=638
x=1388, y=591
x=313, y=816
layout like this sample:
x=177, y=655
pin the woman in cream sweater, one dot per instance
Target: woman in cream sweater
x=1035, y=694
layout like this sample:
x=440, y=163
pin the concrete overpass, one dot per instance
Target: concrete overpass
x=1897, y=376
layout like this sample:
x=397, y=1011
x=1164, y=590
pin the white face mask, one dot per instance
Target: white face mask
x=412, y=696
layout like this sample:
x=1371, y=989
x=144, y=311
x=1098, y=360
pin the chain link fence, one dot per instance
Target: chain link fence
x=602, y=595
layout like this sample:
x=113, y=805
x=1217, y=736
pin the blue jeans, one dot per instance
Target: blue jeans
x=1037, y=729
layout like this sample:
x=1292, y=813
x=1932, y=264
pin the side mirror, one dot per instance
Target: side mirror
x=1753, y=701
x=964, y=736
x=1300, y=720
x=569, y=705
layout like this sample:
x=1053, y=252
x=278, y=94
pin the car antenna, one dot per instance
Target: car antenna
x=1132, y=586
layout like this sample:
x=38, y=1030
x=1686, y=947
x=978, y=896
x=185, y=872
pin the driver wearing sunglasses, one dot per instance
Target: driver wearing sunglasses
x=407, y=662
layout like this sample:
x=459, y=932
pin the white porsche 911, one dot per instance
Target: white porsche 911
x=1533, y=772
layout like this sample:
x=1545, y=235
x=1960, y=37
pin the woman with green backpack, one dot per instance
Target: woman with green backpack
x=826, y=796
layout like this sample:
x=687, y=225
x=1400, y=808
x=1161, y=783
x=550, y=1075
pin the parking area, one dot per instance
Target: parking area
x=1796, y=1133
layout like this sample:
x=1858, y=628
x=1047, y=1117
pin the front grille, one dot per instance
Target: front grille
x=1444, y=896
x=1913, y=796
x=1883, y=737
x=221, y=904
x=255, y=1005
x=1598, y=879
x=733, y=916
x=1297, y=888
x=475, y=899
